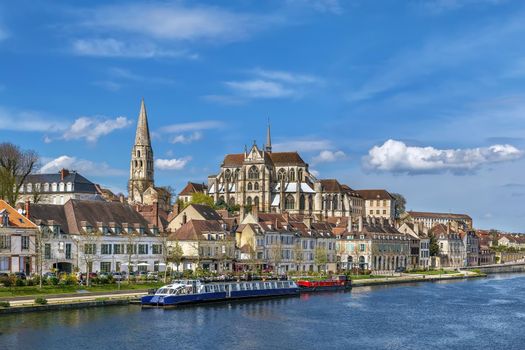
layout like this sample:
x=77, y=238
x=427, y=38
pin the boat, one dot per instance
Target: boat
x=182, y=292
x=336, y=283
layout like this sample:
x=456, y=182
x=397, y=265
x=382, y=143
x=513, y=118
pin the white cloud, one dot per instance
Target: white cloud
x=194, y=136
x=111, y=47
x=396, y=157
x=193, y=126
x=84, y=167
x=92, y=128
x=259, y=88
x=20, y=120
x=288, y=77
x=304, y=145
x=172, y=164
x=327, y=156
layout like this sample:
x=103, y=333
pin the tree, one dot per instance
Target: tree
x=433, y=246
x=89, y=246
x=201, y=198
x=321, y=257
x=400, y=204
x=175, y=254
x=298, y=254
x=171, y=191
x=15, y=166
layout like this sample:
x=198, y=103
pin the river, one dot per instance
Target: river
x=475, y=314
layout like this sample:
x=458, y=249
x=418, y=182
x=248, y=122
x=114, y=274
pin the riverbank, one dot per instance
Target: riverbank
x=22, y=304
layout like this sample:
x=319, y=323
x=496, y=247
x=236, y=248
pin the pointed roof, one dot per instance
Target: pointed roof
x=268, y=139
x=142, y=136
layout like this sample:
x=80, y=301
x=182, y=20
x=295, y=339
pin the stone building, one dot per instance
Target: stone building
x=191, y=187
x=431, y=219
x=419, y=245
x=275, y=182
x=452, y=250
x=141, y=185
x=378, y=204
x=18, y=241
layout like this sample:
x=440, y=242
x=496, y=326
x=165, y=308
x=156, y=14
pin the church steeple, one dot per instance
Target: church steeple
x=142, y=137
x=141, y=168
x=268, y=139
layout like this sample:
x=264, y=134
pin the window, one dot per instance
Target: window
x=253, y=173
x=156, y=249
x=289, y=202
x=54, y=187
x=291, y=176
x=256, y=186
x=118, y=248
x=90, y=248
x=302, y=202
x=371, y=212
x=4, y=263
x=105, y=249
x=256, y=202
x=384, y=212
x=131, y=249
x=361, y=247
x=281, y=175
x=46, y=187
x=5, y=242
x=25, y=242
x=105, y=266
x=47, y=251
x=249, y=201
x=69, y=187
x=143, y=249
x=377, y=212
x=68, y=250
x=61, y=187
x=249, y=187
x=29, y=187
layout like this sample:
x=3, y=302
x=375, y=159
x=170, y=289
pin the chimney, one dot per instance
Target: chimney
x=63, y=173
x=27, y=209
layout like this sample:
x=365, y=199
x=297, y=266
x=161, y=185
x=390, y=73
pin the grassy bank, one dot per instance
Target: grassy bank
x=6, y=292
x=434, y=272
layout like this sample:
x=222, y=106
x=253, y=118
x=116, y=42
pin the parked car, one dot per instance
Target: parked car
x=400, y=269
x=117, y=276
x=21, y=275
x=153, y=275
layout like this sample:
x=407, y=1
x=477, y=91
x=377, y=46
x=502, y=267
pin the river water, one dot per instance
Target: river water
x=475, y=314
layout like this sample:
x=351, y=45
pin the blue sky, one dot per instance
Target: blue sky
x=425, y=98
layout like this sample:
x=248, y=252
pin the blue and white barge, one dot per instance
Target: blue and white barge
x=193, y=291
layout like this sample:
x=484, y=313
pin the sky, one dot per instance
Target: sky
x=424, y=98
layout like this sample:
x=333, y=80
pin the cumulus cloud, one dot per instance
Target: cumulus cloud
x=195, y=136
x=396, y=157
x=83, y=166
x=172, y=164
x=259, y=88
x=92, y=128
x=22, y=120
x=327, y=156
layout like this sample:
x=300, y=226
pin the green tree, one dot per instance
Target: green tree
x=321, y=258
x=201, y=198
x=400, y=204
x=175, y=254
x=434, y=246
x=15, y=166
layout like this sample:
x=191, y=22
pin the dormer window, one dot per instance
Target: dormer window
x=46, y=187
x=29, y=188
x=54, y=187
x=61, y=187
x=69, y=187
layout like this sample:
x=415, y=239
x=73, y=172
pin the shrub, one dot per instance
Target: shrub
x=30, y=282
x=20, y=282
x=53, y=280
x=41, y=301
x=4, y=304
x=68, y=280
x=6, y=281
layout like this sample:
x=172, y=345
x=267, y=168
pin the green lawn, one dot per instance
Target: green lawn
x=365, y=277
x=6, y=292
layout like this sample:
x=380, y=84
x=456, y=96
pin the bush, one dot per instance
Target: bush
x=41, y=301
x=68, y=280
x=30, y=282
x=20, y=282
x=7, y=281
x=53, y=281
x=4, y=304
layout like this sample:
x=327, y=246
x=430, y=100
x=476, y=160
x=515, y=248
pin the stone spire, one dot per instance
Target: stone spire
x=268, y=139
x=142, y=137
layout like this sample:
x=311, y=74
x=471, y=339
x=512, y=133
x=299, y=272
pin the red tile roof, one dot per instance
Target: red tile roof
x=375, y=194
x=15, y=218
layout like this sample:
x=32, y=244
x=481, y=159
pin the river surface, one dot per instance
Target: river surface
x=475, y=314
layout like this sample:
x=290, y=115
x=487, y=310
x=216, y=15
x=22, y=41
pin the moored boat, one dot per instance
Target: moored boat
x=193, y=291
x=336, y=283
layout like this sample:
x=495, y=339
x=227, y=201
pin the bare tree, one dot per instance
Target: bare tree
x=15, y=166
x=171, y=253
x=298, y=254
x=89, y=242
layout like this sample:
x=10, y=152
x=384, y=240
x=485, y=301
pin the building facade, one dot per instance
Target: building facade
x=429, y=219
x=378, y=204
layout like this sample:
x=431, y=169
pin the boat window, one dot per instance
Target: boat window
x=242, y=286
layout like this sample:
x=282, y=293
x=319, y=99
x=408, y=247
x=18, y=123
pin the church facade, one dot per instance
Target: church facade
x=281, y=182
x=141, y=185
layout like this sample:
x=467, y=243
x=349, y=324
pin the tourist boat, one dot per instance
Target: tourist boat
x=193, y=291
x=336, y=283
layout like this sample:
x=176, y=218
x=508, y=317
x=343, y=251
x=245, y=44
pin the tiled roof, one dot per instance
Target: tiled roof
x=207, y=212
x=15, y=218
x=193, y=230
x=191, y=188
x=277, y=158
x=415, y=214
x=80, y=183
x=375, y=194
x=331, y=185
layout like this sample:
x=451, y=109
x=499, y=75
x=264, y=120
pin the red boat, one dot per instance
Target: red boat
x=336, y=283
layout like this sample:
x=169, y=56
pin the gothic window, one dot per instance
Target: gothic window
x=256, y=186
x=138, y=153
x=253, y=173
x=249, y=201
x=256, y=202
x=289, y=202
x=249, y=187
x=300, y=174
x=302, y=202
x=310, y=203
x=291, y=176
x=231, y=201
x=140, y=163
x=228, y=174
x=237, y=174
x=136, y=164
x=335, y=203
x=281, y=175
x=221, y=199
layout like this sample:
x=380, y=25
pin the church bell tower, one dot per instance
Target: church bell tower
x=141, y=167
